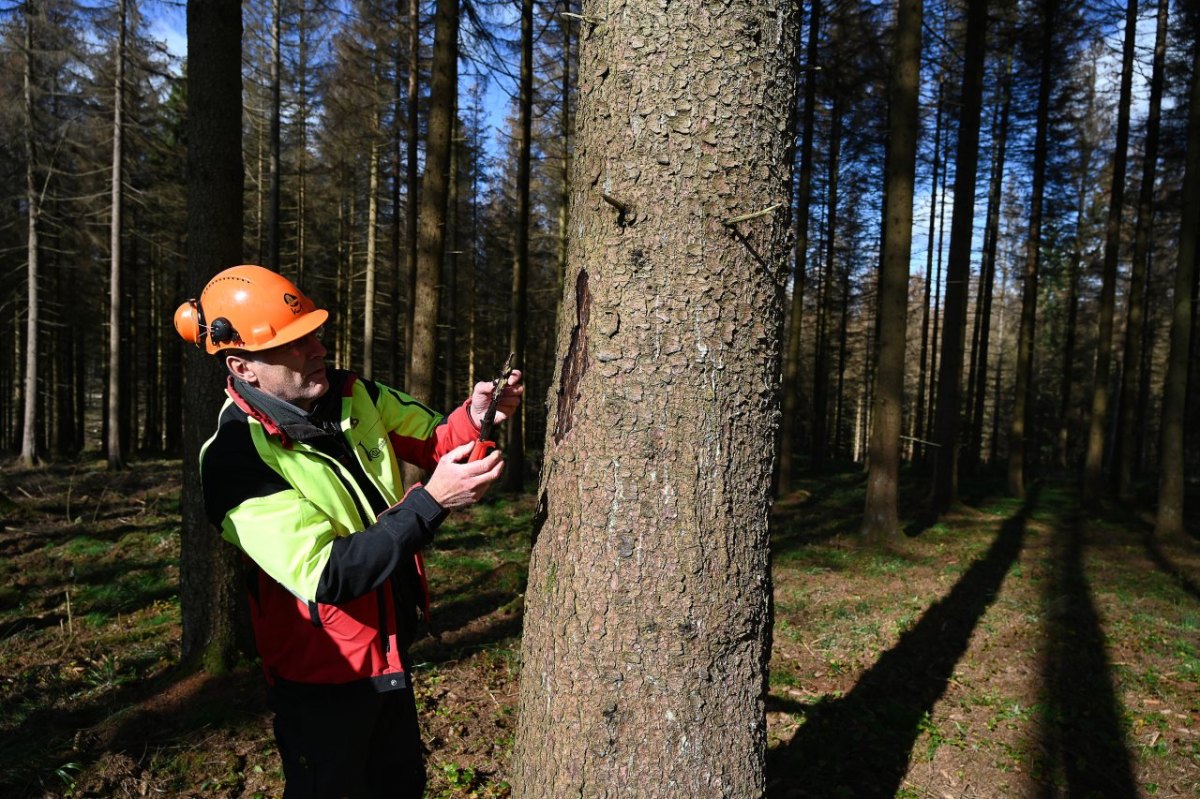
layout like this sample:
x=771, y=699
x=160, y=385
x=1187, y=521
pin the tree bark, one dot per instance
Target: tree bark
x=958, y=269
x=1168, y=521
x=1095, y=481
x=646, y=619
x=412, y=177
x=1125, y=456
x=1020, y=430
x=881, y=523
x=209, y=569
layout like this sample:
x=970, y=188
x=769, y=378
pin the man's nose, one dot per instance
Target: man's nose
x=314, y=347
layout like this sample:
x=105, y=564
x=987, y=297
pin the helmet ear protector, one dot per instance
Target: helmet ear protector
x=190, y=324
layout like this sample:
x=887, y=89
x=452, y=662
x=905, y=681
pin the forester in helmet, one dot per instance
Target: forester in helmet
x=303, y=476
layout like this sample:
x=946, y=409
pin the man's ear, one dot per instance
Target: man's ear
x=241, y=368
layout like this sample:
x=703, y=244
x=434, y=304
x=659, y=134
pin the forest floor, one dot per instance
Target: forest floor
x=1011, y=649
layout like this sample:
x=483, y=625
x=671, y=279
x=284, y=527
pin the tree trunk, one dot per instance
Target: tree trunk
x=820, y=416
x=917, y=420
x=987, y=277
x=1095, y=482
x=451, y=388
x=29, y=419
x=646, y=618
x=368, y=361
x=1020, y=430
x=1127, y=418
x=273, y=145
x=1169, y=519
x=791, y=364
x=880, y=519
x=958, y=270
x=514, y=477
x=209, y=569
x=412, y=175
x=431, y=231
x=115, y=452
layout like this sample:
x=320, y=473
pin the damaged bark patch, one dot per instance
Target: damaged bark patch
x=575, y=361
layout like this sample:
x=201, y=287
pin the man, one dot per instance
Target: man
x=303, y=477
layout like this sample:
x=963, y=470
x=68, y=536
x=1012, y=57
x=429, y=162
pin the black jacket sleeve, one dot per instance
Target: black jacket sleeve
x=360, y=563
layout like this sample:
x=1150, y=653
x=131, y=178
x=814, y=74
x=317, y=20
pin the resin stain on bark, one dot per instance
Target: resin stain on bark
x=575, y=361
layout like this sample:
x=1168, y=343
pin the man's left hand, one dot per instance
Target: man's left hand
x=510, y=400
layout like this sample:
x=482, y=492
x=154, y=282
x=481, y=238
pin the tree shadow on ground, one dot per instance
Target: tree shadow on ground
x=859, y=745
x=1083, y=747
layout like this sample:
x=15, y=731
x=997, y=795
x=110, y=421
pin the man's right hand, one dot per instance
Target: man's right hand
x=458, y=484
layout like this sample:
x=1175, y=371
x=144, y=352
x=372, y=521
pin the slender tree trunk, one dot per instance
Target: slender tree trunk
x=958, y=270
x=273, y=145
x=115, y=453
x=1127, y=419
x=369, y=290
x=917, y=421
x=434, y=188
x=1094, y=480
x=646, y=617
x=1168, y=521
x=820, y=420
x=880, y=518
x=791, y=365
x=33, y=201
x=1020, y=430
x=1065, y=412
x=987, y=276
x=451, y=389
x=514, y=477
x=209, y=569
x=412, y=176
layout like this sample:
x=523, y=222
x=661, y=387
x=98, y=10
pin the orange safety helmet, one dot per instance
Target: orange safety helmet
x=251, y=308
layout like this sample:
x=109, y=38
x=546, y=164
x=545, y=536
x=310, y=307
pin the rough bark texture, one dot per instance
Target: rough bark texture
x=1169, y=519
x=209, y=589
x=647, y=613
x=880, y=519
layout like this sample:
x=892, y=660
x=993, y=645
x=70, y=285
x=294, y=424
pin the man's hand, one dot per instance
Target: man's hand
x=458, y=484
x=510, y=400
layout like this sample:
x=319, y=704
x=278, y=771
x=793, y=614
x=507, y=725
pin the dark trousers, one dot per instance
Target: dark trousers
x=348, y=742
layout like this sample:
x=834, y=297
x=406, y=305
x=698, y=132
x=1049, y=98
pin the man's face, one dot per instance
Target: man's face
x=293, y=372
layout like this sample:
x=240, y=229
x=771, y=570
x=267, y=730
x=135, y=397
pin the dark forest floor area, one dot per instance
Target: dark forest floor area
x=1012, y=649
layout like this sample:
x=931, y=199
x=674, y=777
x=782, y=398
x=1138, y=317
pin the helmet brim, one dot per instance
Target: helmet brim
x=298, y=329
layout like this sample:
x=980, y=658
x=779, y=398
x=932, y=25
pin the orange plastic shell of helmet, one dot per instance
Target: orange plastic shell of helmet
x=247, y=308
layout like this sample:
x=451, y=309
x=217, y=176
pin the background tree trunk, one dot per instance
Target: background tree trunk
x=29, y=418
x=115, y=451
x=791, y=363
x=1169, y=519
x=1095, y=482
x=646, y=619
x=880, y=520
x=958, y=270
x=431, y=231
x=209, y=585
x=514, y=476
x=1020, y=428
x=1125, y=457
